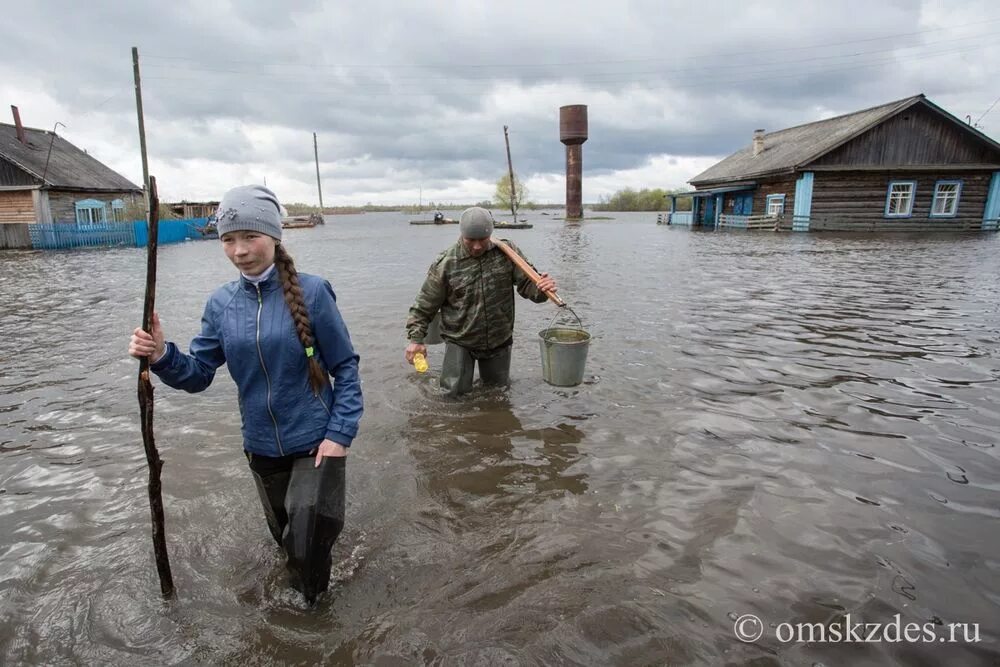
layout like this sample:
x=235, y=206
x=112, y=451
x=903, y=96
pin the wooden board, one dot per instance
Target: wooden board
x=17, y=206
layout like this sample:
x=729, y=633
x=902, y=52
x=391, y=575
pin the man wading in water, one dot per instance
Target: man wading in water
x=471, y=284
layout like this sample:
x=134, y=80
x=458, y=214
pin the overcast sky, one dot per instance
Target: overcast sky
x=409, y=100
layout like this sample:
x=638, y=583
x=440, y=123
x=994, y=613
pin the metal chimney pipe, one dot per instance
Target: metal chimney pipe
x=17, y=124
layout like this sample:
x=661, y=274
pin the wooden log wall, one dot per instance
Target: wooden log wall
x=63, y=202
x=784, y=186
x=863, y=225
x=776, y=187
x=14, y=235
x=846, y=200
x=17, y=206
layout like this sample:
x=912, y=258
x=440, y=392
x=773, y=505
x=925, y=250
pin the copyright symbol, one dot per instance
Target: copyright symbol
x=748, y=628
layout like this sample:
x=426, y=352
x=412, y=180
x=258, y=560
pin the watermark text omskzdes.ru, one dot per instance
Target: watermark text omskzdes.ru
x=749, y=628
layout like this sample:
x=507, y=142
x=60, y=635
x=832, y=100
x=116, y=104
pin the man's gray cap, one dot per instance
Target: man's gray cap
x=476, y=223
x=251, y=208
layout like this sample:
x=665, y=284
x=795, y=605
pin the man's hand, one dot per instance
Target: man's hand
x=546, y=284
x=412, y=349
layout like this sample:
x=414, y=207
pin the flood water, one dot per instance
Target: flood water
x=796, y=426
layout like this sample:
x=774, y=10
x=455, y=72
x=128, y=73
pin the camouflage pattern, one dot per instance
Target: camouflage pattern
x=475, y=296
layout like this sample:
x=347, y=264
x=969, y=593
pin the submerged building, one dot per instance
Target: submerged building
x=905, y=165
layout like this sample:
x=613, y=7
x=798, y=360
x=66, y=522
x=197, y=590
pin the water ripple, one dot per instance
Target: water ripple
x=795, y=426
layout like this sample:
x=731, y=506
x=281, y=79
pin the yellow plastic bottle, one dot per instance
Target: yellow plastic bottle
x=420, y=363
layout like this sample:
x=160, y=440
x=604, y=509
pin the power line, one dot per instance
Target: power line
x=626, y=77
x=779, y=63
x=987, y=111
x=509, y=65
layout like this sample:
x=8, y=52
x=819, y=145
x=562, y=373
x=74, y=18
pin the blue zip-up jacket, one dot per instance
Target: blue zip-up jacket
x=250, y=327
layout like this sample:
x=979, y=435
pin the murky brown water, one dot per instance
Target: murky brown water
x=798, y=427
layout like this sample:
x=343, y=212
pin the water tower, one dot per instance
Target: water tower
x=573, y=132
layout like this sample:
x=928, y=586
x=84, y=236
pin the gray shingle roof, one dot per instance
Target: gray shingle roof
x=794, y=146
x=69, y=167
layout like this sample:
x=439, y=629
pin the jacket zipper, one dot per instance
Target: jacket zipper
x=260, y=307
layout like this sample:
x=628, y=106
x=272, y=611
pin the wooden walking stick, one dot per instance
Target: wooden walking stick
x=146, y=404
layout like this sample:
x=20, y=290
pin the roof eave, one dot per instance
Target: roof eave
x=23, y=168
x=77, y=188
x=744, y=177
x=19, y=188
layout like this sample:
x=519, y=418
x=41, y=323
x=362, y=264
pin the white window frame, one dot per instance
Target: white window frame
x=118, y=210
x=91, y=212
x=889, y=198
x=953, y=197
x=778, y=199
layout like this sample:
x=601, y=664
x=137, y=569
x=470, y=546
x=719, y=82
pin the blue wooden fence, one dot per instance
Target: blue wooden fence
x=62, y=235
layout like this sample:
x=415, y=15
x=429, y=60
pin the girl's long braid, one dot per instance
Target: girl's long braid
x=289, y=278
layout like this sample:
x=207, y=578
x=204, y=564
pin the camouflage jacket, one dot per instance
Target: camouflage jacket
x=475, y=297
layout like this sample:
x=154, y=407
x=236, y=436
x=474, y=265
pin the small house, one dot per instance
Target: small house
x=905, y=165
x=46, y=179
x=193, y=209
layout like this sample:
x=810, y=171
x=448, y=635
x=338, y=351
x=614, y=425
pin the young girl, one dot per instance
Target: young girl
x=283, y=337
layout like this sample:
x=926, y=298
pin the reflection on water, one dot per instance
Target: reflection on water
x=471, y=465
x=801, y=427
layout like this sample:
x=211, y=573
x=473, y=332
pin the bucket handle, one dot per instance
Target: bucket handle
x=559, y=311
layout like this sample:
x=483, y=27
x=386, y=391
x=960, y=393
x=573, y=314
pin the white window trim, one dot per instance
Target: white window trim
x=117, y=211
x=772, y=198
x=888, y=199
x=958, y=197
x=91, y=212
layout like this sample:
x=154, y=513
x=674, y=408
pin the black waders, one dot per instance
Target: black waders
x=304, y=507
x=459, y=364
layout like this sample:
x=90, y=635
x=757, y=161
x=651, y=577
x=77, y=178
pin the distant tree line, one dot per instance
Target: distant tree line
x=298, y=208
x=656, y=199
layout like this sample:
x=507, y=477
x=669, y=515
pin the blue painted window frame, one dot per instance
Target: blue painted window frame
x=767, y=206
x=888, y=198
x=958, y=198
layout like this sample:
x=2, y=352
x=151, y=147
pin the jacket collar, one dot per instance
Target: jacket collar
x=267, y=285
x=462, y=253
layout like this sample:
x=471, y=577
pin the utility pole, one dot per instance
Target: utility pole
x=319, y=186
x=510, y=169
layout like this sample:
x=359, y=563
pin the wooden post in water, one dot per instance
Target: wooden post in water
x=510, y=170
x=146, y=405
x=319, y=186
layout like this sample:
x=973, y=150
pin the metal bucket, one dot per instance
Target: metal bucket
x=564, y=355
